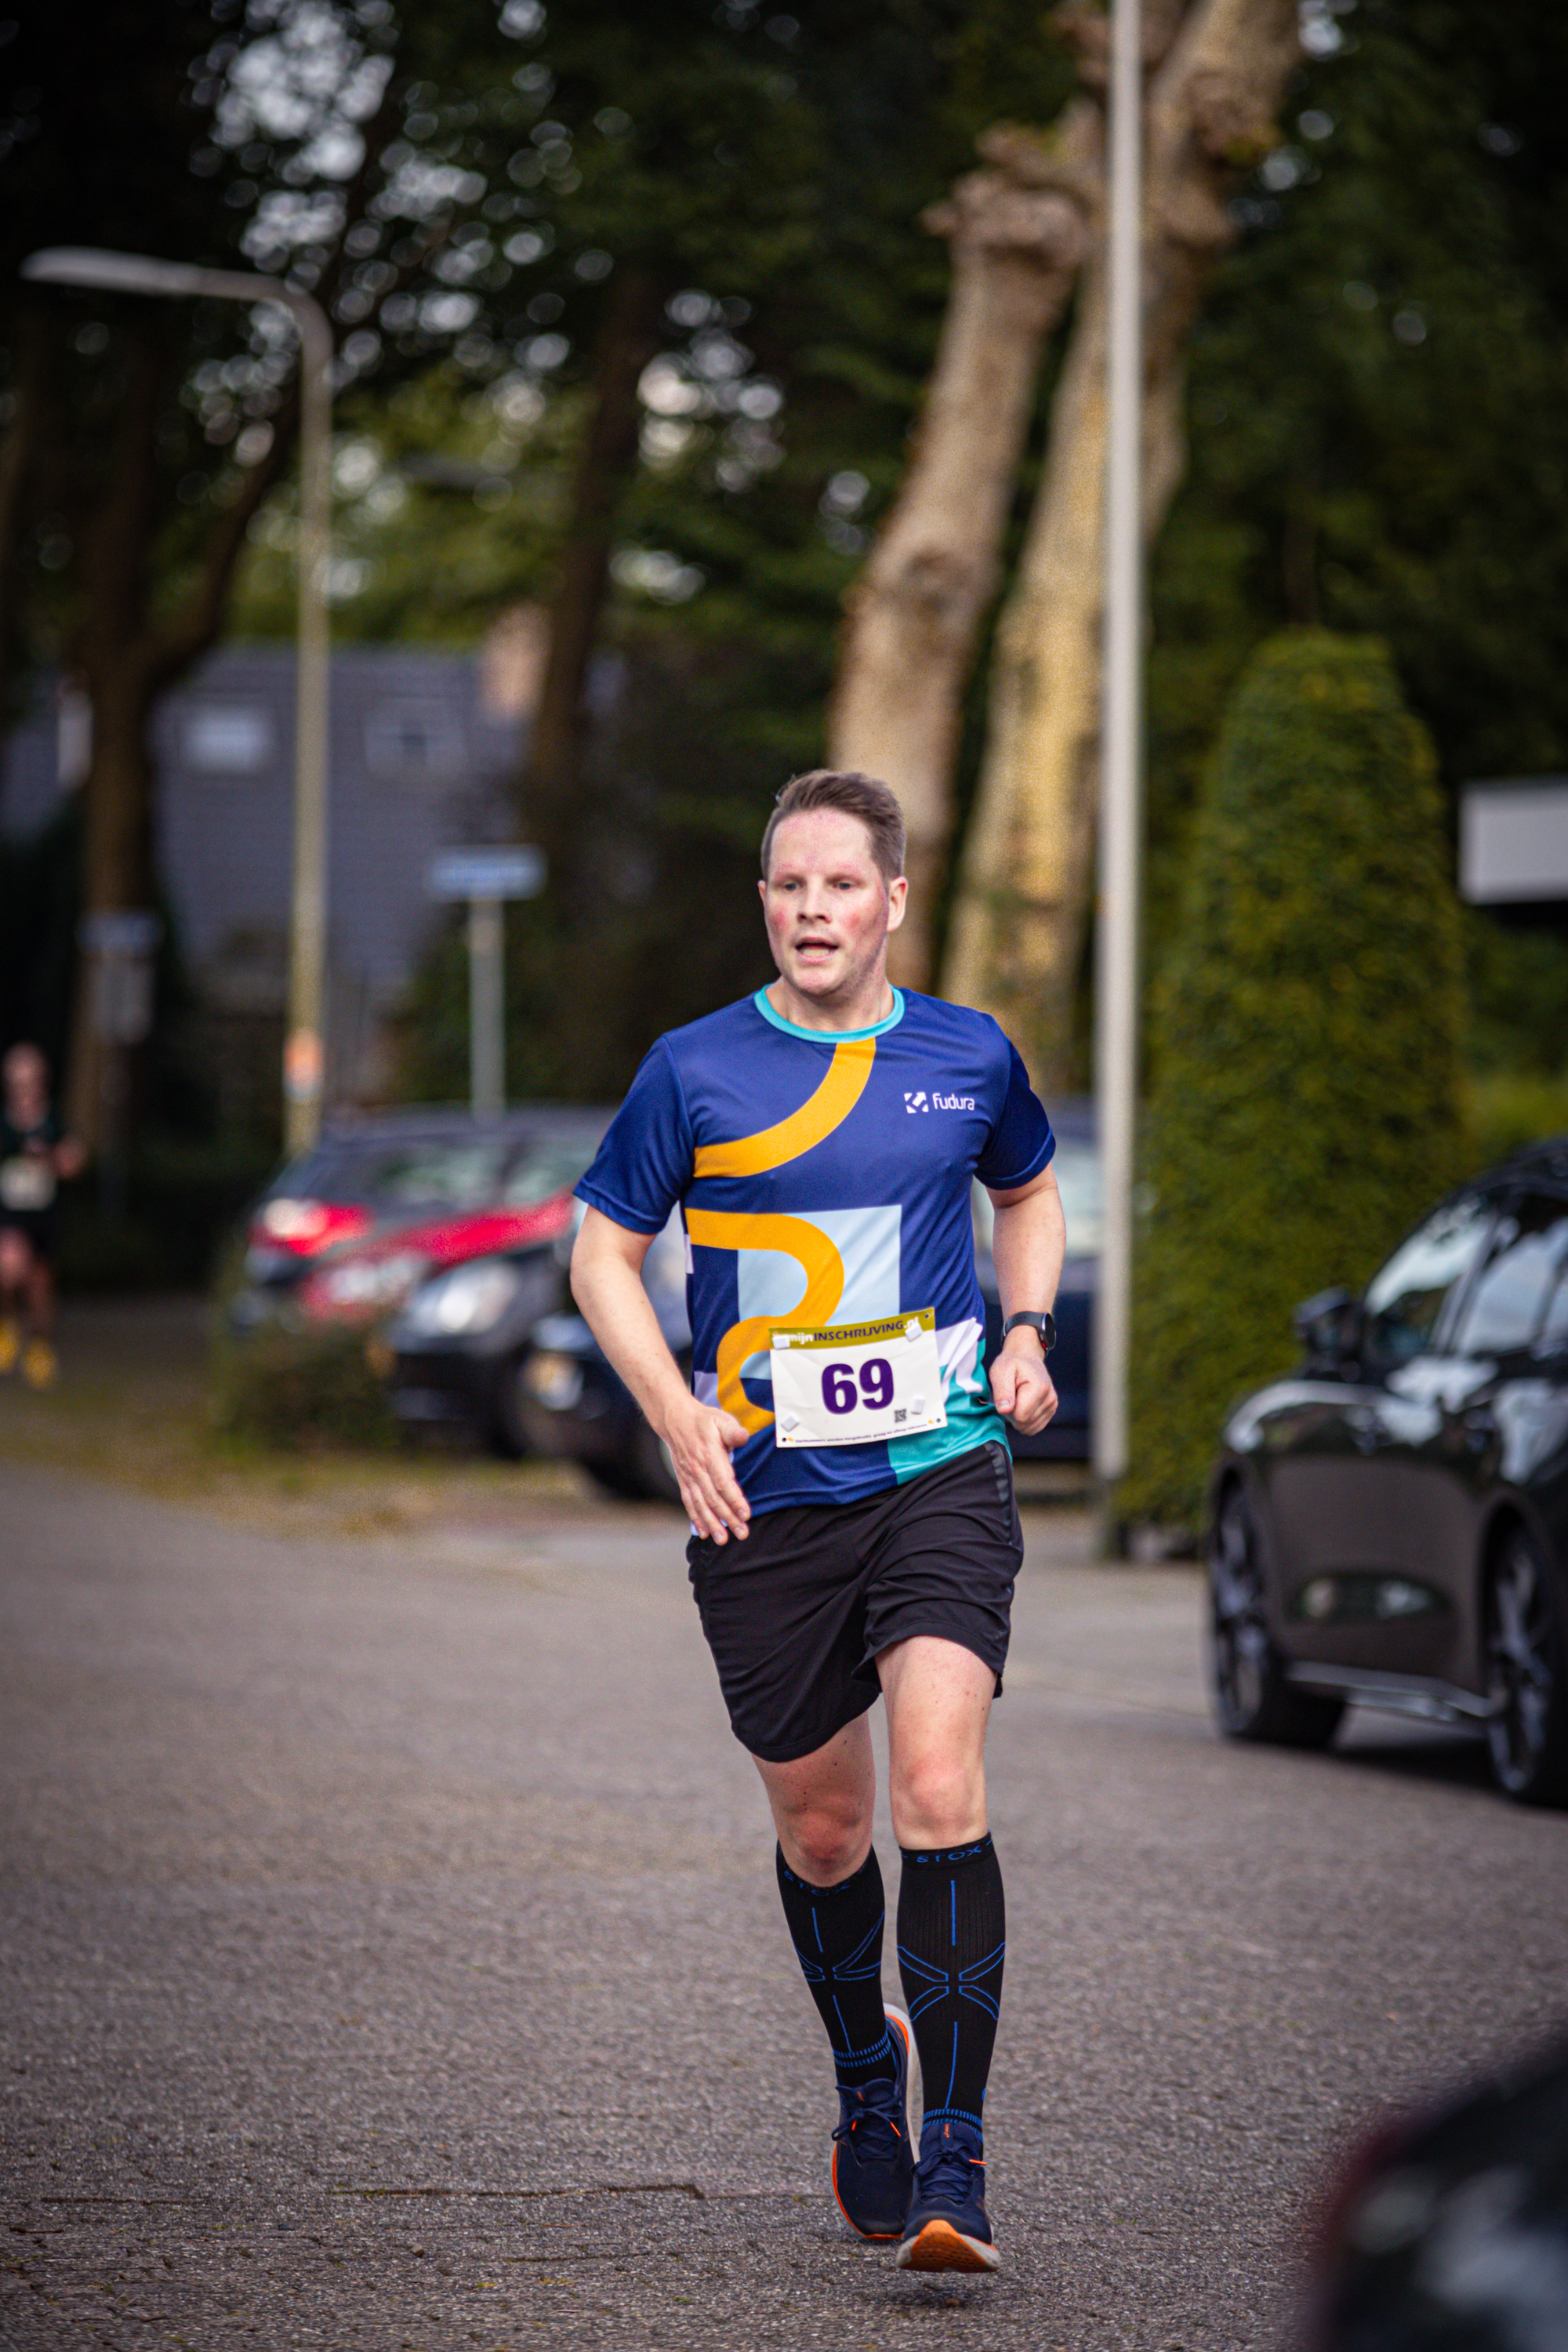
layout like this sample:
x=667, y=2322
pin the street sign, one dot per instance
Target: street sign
x=132, y=933
x=515, y=871
x=121, y=943
x=484, y=876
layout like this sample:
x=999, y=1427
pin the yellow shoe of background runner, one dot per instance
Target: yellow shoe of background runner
x=40, y=1365
x=10, y=1345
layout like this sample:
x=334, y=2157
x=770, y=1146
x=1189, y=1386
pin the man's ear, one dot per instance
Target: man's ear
x=897, y=899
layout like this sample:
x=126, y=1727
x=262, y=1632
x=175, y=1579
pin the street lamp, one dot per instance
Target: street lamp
x=304, y=1055
x=1116, y=990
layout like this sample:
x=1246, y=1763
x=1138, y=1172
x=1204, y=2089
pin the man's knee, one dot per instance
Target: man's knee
x=825, y=1843
x=939, y=1799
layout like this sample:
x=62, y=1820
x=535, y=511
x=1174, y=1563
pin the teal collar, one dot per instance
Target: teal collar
x=829, y=1036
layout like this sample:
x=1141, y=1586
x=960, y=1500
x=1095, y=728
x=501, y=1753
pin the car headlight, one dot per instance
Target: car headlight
x=555, y=1380
x=365, y=1285
x=472, y=1298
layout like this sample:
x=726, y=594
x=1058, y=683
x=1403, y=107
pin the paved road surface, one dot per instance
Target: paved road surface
x=394, y=1959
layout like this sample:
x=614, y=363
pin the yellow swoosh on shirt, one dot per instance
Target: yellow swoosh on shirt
x=819, y=1262
x=829, y=1107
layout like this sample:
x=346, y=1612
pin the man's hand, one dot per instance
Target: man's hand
x=702, y=1439
x=1021, y=1387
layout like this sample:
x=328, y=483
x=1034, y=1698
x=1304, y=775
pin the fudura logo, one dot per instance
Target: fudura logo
x=922, y=1101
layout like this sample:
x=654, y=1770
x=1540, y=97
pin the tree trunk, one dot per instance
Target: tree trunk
x=125, y=663
x=25, y=469
x=913, y=618
x=550, y=803
x=1019, y=926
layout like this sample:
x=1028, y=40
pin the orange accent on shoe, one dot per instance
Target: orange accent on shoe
x=940, y=2247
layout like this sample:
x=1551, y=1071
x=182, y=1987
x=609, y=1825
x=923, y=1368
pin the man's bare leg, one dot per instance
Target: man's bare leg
x=938, y=1698
x=822, y=1805
x=16, y=1258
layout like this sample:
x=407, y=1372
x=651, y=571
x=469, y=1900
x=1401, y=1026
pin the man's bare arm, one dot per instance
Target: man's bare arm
x=606, y=1282
x=1029, y=1242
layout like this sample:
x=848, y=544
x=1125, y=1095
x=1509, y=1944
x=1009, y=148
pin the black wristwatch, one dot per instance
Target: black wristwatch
x=1045, y=1325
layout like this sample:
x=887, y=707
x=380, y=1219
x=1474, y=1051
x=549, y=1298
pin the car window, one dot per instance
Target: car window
x=1528, y=1251
x=541, y=1170
x=439, y=1176
x=1404, y=1301
x=1079, y=1181
x=1553, y=1336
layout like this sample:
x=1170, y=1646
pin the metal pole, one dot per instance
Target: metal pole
x=1116, y=1024
x=304, y=1050
x=487, y=1043
x=304, y=1061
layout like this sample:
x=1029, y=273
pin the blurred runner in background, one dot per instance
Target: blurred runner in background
x=35, y=1158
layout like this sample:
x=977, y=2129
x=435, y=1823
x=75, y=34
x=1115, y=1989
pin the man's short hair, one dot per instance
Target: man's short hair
x=857, y=795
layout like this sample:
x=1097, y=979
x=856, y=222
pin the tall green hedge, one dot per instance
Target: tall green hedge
x=1305, y=1066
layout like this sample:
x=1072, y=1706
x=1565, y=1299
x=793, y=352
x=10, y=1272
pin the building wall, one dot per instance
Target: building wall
x=420, y=760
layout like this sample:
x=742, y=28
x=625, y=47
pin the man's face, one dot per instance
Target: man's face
x=828, y=908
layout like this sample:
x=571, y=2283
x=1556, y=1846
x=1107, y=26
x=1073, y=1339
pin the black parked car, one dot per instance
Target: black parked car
x=1390, y=1524
x=1066, y=1436
x=572, y=1404
x=480, y=1277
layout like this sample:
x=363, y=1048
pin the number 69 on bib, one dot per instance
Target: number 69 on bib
x=857, y=1383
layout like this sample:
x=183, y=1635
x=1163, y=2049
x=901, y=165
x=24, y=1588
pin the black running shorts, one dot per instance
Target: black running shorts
x=796, y=1614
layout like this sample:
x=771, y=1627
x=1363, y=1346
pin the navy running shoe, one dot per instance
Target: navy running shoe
x=948, y=2228
x=873, y=2163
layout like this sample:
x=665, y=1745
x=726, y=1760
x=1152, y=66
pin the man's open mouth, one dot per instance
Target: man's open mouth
x=817, y=947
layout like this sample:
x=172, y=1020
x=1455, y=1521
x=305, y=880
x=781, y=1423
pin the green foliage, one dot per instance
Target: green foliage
x=1516, y=988
x=303, y=1392
x=1307, y=1104
x=1506, y=1109
x=1378, y=426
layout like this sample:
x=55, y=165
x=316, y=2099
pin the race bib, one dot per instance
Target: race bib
x=27, y=1182
x=857, y=1383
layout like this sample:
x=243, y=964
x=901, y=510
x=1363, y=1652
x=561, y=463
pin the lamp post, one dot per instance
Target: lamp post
x=304, y=1052
x=1116, y=990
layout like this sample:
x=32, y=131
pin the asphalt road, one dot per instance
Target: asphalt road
x=393, y=1958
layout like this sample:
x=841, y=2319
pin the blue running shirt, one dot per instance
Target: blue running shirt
x=826, y=1178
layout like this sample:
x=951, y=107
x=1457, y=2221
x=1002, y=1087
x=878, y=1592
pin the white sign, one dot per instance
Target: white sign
x=1513, y=842
x=857, y=1383
x=515, y=872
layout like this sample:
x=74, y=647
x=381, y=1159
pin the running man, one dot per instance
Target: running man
x=843, y=1459
x=33, y=1158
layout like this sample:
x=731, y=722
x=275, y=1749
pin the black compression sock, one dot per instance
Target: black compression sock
x=951, y=1940
x=837, y=1935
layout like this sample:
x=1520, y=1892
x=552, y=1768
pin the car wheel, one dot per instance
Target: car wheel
x=1527, y=1733
x=613, y=1474
x=654, y=1470
x=1252, y=1700
x=504, y=1435
x=640, y=1472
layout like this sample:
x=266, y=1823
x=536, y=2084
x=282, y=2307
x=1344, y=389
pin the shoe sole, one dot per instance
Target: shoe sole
x=899, y=2023
x=940, y=2247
